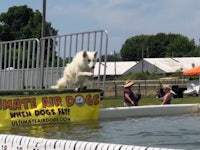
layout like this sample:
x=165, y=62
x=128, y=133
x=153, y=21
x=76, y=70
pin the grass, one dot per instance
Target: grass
x=118, y=102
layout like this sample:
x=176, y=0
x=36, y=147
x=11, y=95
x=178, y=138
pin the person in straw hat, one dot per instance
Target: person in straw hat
x=130, y=98
x=166, y=99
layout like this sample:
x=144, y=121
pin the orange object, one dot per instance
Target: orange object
x=193, y=71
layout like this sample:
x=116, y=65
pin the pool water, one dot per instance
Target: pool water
x=180, y=132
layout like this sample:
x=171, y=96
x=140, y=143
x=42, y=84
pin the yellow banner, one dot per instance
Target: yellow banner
x=43, y=109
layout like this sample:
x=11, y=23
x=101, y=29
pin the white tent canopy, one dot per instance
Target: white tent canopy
x=115, y=68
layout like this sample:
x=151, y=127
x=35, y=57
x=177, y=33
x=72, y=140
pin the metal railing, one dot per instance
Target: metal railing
x=17, y=60
x=37, y=64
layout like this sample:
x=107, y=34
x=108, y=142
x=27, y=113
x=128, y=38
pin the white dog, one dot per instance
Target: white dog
x=78, y=71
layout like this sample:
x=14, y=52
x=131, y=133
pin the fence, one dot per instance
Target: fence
x=145, y=87
x=38, y=64
x=18, y=59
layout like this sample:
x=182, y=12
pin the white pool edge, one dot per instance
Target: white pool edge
x=16, y=142
x=148, y=111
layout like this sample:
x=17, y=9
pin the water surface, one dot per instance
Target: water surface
x=170, y=131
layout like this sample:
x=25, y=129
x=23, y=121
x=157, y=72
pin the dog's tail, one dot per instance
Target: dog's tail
x=61, y=84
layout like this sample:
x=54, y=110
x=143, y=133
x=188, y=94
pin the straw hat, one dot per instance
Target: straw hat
x=128, y=83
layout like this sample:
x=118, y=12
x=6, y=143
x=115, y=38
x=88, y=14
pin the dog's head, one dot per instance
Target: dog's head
x=90, y=58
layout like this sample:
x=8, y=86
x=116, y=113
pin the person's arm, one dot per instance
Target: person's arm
x=166, y=98
x=128, y=98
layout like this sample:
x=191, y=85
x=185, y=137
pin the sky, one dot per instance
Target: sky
x=121, y=18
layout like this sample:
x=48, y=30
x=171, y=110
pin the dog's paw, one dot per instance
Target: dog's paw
x=90, y=74
x=77, y=89
x=80, y=89
x=54, y=87
x=57, y=88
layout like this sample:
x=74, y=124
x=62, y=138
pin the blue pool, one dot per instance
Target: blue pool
x=180, y=132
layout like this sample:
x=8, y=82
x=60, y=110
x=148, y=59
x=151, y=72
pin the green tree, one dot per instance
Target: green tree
x=180, y=46
x=21, y=22
x=112, y=57
x=133, y=48
x=157, y=46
